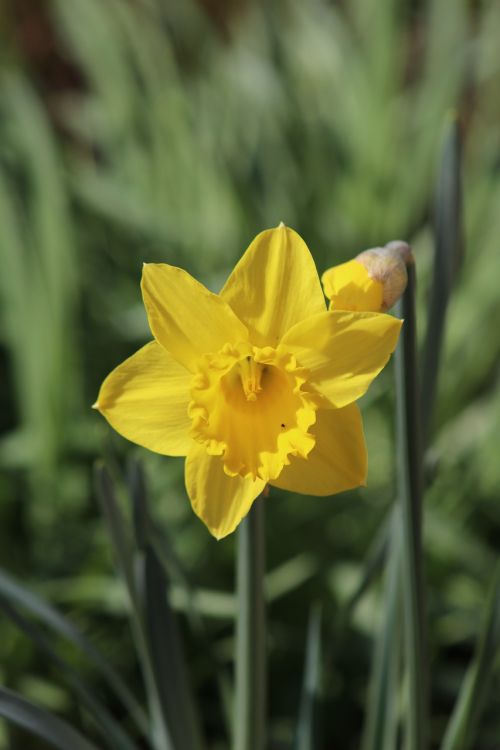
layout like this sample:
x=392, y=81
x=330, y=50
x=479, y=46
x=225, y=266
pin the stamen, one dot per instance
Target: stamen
x=250, y=373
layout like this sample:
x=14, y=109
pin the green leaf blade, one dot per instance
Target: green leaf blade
x=41, y=723
x=250, y=700
x=308, y=721
x=462, y=726
x=19, y=595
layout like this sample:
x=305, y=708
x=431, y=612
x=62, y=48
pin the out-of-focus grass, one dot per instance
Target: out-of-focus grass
x=180, y=144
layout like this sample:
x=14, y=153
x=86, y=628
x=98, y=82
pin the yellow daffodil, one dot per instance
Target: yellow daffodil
x=373, y=281
x=256, y=385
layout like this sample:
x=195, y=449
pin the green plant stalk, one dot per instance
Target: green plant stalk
x=409, y=470
x=381, y=721
x=307, y=737
x=448, y=257
x=476, y=686
x=163, y=639
x=250, y=701
x=124, y=555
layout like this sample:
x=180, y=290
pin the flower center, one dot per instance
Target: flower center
x=248, y=406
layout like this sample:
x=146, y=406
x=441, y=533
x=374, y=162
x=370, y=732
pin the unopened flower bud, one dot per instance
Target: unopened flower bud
x=373, y=281
x=387, y=265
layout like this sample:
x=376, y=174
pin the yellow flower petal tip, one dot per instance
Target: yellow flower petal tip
x=349, y=286
x=255, y=385
x=373, y=281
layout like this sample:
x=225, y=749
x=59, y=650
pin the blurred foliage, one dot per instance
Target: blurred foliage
x=147, y=130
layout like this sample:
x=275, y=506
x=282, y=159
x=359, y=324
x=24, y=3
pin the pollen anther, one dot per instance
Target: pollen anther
x=250, y=373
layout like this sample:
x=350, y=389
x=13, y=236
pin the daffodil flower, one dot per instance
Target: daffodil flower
x=256, y=385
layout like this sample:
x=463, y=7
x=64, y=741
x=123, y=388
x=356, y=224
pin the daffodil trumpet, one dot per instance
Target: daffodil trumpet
x=256, y=385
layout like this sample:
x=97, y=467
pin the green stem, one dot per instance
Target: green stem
x=448, y=256
x=381, y=716
x=408, y=434
x=250, y=700
x=476, y=686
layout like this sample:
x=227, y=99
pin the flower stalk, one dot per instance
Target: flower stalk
x=250, y=698
x=448, y=257
x=408, y=437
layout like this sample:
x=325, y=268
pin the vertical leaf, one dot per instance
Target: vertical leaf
x=41, y=723
x=124, y=554
x=250, y=699
x=409, y=470
x=372, y=566
x=460, y=733
x=448, y=255
x=167, y=658
x=381, y=719
x=307, y=725
x=37, y=248
x=147, y=533
x=120, y=536
x=163, y=638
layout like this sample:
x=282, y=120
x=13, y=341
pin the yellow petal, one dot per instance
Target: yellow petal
x=343, y=351
x=146, y=399
x=274, y=285
x=219, y=500
x=184, y=316
x=350, y=287
x=337, y=462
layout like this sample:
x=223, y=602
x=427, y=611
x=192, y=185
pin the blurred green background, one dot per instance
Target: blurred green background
x=175, y=130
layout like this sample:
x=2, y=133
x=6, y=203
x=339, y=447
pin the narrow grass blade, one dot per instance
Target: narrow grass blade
x=308, y=722
x=19, y=595
x=448, y=255
x=164, y=642
x=127, y=561
x=409, y=470
x=197, y=604
x=460, y=733
x=167, y=658
x=109, y=728
x=372, y=566
x=147, y=533
x=185, y=591
x=249, y=730
x=137, y=491
x=381, y=717
x=120, y=537
x=41, y=723
x=375, y=558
